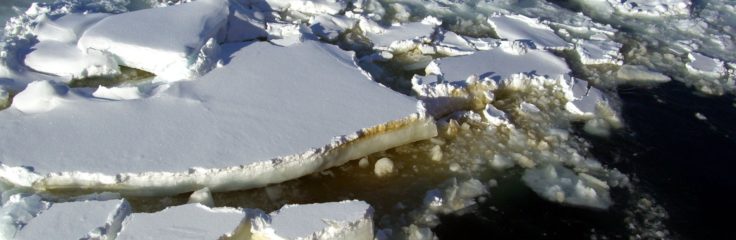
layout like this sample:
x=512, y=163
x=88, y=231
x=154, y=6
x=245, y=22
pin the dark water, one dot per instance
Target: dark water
x=685, y=164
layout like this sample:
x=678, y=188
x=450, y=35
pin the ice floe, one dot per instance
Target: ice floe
x=335, y=220
x=65, y=60
x=240, y=126
x=559, y=184
x=165, y=41
x=399, y=38
x=526, y=32
x=701, y=64
x=77, y=220
x=190, y=221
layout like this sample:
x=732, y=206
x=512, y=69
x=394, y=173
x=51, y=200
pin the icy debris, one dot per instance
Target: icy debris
x=241, y=130
x=118, y=93
x=310, y=7
x=17, y=211
x=190, y=221
x=528, y=32
x=399, y=38
x=164, y=41
x=637, y=73
x=336, y=220
x=584, y=99
x=39, y=96
x=701, y=64
x=363, y=163
x=67, y=28
x=435, y=153
x=456, y=44
x=454, y=196
x=202, y=196
x=66, y=60
x=599, y=49
x=77, y=220
x=284, y=34
x=651, y=8
x=383, y=167
x=559, y=184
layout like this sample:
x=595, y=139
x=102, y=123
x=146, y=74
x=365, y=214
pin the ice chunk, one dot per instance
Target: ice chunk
x=39, y=96
x=383, y=167
x=336, y=220
x=599, y=50
x=190, y=221
x=498, y=64
x=637, y=73
x=164, y=41
x=67, y=28
x=527, y=31
x=78, y=220
x=330, y=27
x=584, y=99
x=4, y=98
x=245, y=24
x=653, y=8
x=118, y=93
x=400, y=38
x=705, y=65
x=254, y=121
x=17, y=211
x=66, y=60
x=202, y=196
x=559, y=184
x=311, y=7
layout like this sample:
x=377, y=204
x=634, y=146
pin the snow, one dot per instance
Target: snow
x=17, y=211
x=190, y=221
x=335, y=220
x=77, y=220
x=330, y=27
x=527, y=31
x=118, y=93
x=584, y=99
x=242, y=125
x=39, y=96
x=65, y=60
x=164, y=41
x=701, y=64
x=599, y=50
x=311, y=7
x=499, y=64
x=67, y=28
x=245, y=24
x=399, y=38
x=559, y=184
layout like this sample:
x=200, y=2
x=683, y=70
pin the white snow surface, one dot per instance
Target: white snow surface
x=164, y=41
x=399, y=38
x=190, y=221
x=702, y=64
x=77, y=220
x=528, y=31
x=651, y=8
x=499, y=64
x=67, y=28
x=66, y=60
x=335, y=220
x=254, y=121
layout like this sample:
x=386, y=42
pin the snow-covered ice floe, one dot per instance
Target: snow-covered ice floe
x=335, y=220
x=190, y=221
x=651, y=8
x=701, y=64
x=77, y=220
x=270, y=114
x=526, y=33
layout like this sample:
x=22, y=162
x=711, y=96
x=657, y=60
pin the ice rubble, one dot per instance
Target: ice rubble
x=65, y=60
x=651, y=8
x=701, y=64
x=336, y=220
x=190, y=221
x=399, y=38
x=77, y=220
x=559, y=184
x=174, y=35
x=240, y=126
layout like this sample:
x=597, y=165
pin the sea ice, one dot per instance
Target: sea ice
x=559, y=184
x=599, y=50
x=190, y=221
x=335, y=220
x=252, y=122
x=67, y=28
x=164, y=41
x=17, y=210
x=705, y=65
x=66, y=60
x=528, y=32
x=77, y=220
x=400, y=38
x=651, y=8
